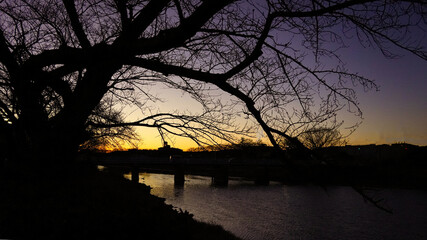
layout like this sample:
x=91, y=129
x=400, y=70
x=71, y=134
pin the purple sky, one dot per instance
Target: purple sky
x=398, y=112
x=395, y=113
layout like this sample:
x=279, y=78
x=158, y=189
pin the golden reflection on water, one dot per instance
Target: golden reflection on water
x=100, y=168
x=143, y=177
x=128, y=176
x=162, y=185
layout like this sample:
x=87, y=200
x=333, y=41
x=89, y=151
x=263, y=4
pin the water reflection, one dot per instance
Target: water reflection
x=294, y=212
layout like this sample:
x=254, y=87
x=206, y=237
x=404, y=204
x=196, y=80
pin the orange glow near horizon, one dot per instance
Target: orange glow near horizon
x=151, y=141
x=397, y=113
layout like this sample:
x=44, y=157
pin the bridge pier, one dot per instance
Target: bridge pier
x=263, y=177
x=178, y=177
x=220, y=177
x=135, y=175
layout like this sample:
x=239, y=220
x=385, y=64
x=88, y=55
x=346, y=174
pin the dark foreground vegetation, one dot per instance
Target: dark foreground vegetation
x=90, y=205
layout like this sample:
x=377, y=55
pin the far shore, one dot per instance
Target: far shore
x=398, y=165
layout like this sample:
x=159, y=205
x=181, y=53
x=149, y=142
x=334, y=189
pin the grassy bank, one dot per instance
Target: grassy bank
x=91, y=205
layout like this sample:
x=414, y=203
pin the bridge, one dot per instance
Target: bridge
x=261, y=171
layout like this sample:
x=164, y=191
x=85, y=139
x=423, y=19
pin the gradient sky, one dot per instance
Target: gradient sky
x=398, y=112
x=395, y=113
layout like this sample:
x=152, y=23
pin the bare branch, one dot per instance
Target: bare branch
x=75, y=23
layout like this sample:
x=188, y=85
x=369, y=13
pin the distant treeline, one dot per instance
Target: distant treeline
x=400, y=164
x=398, y=154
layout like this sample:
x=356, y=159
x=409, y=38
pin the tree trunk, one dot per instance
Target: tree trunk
x=49, y=144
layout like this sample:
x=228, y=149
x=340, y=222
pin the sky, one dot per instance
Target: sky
x=395, y=113
x=398, y=111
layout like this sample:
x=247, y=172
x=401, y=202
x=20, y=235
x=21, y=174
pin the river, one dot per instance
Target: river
x=280, y=211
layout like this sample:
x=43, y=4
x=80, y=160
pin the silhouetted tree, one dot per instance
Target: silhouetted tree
x=60, y=59
x=322, y=136
x=99, y=137
x=242, y=144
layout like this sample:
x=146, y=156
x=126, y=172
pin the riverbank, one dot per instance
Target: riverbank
x=91, y=205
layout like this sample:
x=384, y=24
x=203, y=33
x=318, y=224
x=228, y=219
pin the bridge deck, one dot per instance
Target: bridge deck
x=271, y=168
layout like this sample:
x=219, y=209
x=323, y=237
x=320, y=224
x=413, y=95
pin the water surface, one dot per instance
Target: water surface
x=278, y=211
